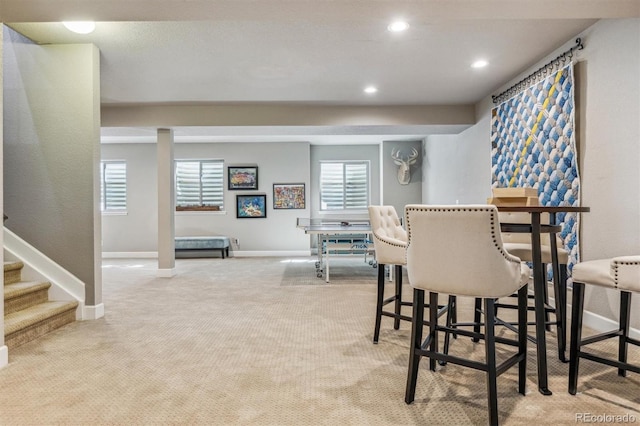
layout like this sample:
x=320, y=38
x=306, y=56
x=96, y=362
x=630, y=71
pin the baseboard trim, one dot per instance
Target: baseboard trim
x=596, y=322
x=166, y=273
x=602, y=324
x=234, y=253
x=274, y=253
x=130, y=254
x=4, y=356
x=93, y=312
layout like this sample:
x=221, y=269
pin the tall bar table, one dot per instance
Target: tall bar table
x=539, y=279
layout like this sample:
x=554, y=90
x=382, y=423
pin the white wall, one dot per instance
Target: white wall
x=277, y=163
x=4, y=352
x=457, y=168
x=608, y=136
x=51, y=152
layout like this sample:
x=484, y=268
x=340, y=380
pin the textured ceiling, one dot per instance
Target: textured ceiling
x=314, y=52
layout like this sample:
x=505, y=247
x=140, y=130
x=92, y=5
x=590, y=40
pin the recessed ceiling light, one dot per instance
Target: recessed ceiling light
x=370, y=90
x=80, y=27
x=479, y=64
x=398, y=26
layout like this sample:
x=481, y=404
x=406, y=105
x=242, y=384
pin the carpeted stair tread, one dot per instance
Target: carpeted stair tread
x=34, y=315
x=12, y=272
x=22, y=288
x=10, y=265
x=24, y=294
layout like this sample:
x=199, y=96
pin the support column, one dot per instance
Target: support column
x=166, y=205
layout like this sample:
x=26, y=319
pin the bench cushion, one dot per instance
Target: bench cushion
x=201, y=243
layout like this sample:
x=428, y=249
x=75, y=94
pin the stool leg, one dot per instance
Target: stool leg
x=417, y=324
x=477, y=318
x=547, y=326
x=577, y=306
x=522, y=338
x=490, y=350
x=433, y=327
x=560, y=287
x=396, y=322
x=380, y=301
x=625, y=312
x=451, y=320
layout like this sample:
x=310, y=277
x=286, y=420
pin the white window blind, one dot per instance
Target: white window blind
x=199, y=183
x=344, y=185
x=113, y=186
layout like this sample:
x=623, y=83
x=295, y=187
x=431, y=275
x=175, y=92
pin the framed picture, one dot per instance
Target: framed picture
x=251, y=206
x=244, y=177
x=288, y=195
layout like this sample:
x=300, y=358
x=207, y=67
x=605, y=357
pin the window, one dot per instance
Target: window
x=199, y=185
x=344, y=185
x=113, y=186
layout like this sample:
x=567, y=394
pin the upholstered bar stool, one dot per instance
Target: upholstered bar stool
x=519, y=245
x=620, y=273
x=390, y=243
x=458, y=250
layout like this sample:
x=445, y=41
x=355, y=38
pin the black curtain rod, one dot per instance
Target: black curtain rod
x=538, y=74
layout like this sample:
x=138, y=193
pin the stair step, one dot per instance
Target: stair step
x=28, y=324
x=25, y=294
x=12, y=272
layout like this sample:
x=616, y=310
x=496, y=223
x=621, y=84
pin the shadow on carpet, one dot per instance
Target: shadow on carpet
x=342, y=271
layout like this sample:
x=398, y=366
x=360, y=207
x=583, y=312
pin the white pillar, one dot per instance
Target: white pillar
x=166, y=205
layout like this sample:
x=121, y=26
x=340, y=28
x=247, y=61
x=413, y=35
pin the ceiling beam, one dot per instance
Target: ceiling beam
x=311, y=10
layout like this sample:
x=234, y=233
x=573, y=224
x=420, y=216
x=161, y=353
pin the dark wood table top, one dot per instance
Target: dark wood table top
x=527, y=228
x=544, y=209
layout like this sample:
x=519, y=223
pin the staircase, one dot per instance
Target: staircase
x=28, y=312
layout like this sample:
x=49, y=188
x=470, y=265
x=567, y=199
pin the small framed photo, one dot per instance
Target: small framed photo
x=243, y=177
x=251, y=206
x=288, y=196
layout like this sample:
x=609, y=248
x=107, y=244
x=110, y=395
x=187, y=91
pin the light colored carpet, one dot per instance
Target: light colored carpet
x=342, y=271
x=226, y=343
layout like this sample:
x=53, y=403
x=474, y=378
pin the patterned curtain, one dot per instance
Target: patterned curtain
x=533, y=145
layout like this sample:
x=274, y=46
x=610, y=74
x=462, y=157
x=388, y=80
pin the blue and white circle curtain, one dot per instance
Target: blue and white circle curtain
x=533, y=145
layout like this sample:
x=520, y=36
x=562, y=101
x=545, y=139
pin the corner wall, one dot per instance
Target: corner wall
x=608, y=134
x=51, y=152
x=4, y=352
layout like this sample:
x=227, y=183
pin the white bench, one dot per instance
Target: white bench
x=201, y=246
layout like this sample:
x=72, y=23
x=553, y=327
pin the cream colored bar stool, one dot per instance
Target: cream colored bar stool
x=519, y=245
x=458, y=250
x=390, y=244
x=620, y=273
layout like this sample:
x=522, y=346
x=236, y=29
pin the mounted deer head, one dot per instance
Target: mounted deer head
x=404, y=171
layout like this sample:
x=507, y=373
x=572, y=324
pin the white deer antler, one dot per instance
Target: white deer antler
x=396, y=158
x=413, y=157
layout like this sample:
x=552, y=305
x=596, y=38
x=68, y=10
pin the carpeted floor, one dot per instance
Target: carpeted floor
x=342, y=271
x=237, y=342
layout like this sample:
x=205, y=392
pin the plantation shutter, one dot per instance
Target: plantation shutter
x=212, y=183
x=356, y=190
x=344, y=185
x=113, y=188
x=199, y=183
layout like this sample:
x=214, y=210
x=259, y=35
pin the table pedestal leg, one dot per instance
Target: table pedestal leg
x=539, y=283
